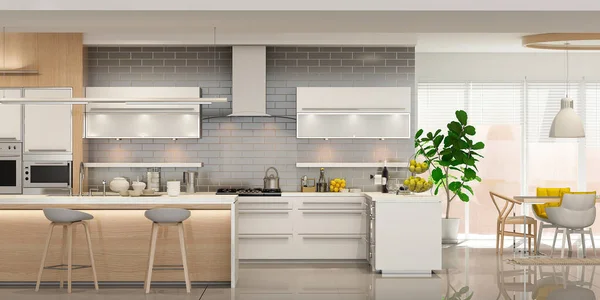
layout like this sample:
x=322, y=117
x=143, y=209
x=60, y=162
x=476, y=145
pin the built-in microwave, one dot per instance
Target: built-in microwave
x=10, y=167
x=47, y=174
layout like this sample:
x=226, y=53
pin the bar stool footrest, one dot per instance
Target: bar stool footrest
x=64, y=267
x=167, y=267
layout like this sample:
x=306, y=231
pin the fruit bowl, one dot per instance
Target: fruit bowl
x=416, y=167
x=337, y=185
x=418, y=184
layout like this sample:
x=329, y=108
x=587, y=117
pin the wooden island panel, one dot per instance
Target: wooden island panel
x=120, y=240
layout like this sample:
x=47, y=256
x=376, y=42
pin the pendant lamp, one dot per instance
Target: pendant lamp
x=567, y=124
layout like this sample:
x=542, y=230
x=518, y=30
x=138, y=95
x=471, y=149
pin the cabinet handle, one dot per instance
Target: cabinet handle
x=325, y=202
x=267, y=212
x=262, y=202
x=47, y=150
x=332, y=212
x=264, y=237
x=332, y=237
x=8, y=138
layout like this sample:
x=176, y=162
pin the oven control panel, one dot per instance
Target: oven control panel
x=12, y=147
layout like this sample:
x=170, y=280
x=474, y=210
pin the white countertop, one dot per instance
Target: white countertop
x=299, y=194
x=415, y=198
x=197, y=198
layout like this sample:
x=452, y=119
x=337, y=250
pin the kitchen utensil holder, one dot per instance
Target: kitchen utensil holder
x=308, y=189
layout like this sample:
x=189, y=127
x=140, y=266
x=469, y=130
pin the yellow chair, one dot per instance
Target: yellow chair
x=539, y=210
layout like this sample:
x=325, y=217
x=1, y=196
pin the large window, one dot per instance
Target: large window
x=496, y=109
x=513, y=119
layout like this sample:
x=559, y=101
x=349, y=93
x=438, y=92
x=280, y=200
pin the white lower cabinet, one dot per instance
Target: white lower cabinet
x=265, y=222
x=331, y=247
x=312, y=227
x=266, y=246
x=331, y=222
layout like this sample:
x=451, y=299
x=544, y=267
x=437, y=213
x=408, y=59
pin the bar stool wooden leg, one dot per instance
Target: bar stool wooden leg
x=69, y=256
x=536, y=239
x=184, y=258
x=89, y=243
x=151, y=257
x=63, y=250
x=39, y=279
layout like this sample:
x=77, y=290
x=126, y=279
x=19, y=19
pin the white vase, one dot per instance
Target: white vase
x=450, y=230
x=119, y=184
x=138, y=186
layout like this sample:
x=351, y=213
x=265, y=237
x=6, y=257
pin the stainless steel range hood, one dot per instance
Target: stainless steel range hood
x=249, y=91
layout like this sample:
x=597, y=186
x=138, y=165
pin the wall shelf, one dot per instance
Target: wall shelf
x=143, y=165
x=351, y=165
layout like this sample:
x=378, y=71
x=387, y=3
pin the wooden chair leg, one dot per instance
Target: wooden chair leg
x=536, y=246
x=497, y=236
x=529, y=238
x=69, y=257
x=502, y=240
x=63, y=252
x=188, y=286
x=151, y=256
x=43, y=264
x=89, y=244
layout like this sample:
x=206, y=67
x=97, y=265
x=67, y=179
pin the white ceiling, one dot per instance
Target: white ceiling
x=433, y=31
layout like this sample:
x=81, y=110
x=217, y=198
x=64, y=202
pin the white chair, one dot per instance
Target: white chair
x=574, y=215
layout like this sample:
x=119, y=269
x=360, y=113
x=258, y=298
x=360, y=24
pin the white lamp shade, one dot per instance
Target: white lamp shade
x=567, y=124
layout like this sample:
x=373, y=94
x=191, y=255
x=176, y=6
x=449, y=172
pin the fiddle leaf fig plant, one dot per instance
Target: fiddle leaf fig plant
x=452, y=157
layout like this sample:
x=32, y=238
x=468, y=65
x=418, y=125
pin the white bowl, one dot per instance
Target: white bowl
x=138, y=186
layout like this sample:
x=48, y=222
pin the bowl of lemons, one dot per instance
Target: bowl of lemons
x=418, y=184
x=416, y=167
x=337, y=185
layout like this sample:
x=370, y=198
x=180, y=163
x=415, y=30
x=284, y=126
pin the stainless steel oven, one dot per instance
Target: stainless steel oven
x=11, y=158
x=47, y=174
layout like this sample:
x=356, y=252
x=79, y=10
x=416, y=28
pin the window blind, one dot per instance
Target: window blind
x=437, y=103
x=485, y=103
x=592, y=115
x=543, y=103
x=495, y=103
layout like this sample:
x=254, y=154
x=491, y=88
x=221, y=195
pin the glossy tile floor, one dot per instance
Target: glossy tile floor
x=471, y=268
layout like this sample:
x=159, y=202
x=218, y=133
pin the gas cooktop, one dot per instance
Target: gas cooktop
x=250, y=192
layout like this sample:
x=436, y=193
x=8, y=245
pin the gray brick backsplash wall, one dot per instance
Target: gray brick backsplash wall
x=236, y=151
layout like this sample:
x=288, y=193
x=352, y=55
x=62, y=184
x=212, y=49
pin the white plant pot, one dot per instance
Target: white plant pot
x=450, y=231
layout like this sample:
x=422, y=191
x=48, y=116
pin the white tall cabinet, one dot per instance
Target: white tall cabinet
x=48, y=128
x=10, y=116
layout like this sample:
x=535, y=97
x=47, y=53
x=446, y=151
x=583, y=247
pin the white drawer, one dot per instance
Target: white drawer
x=309, y=203
x=331, y=247
x=263, y=203
x=266, y=246
x=331, y=222
x=265, y=222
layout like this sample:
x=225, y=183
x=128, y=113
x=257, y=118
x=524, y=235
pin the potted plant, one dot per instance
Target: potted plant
x=453, y=158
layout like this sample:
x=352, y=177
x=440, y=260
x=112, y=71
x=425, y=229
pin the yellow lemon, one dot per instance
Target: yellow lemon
x=413, y=162
x=343, y=184
x=411, y=169
x=406, y=181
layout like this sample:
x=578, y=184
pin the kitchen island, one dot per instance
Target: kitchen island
x=120, y=238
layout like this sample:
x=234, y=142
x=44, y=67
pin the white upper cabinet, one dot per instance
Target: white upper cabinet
x=10, y=116
x=353, y=99
x=354, y=112
x=121, y=120
x=48, y=128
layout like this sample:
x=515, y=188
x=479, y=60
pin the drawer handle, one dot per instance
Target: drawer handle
x=264, y=237
x=332, y=212
x=325, y=202
x=331, y=237
x=267, y=212
x=47, y=150
x=260, y=202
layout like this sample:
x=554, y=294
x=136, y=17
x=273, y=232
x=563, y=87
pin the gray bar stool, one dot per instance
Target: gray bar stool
x=67, y=219
x=167, y=217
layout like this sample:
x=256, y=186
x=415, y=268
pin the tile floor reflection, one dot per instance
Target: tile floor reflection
x=471, y=271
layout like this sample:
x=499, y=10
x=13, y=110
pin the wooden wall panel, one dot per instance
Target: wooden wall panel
x=120, y=241
x=59, y=58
